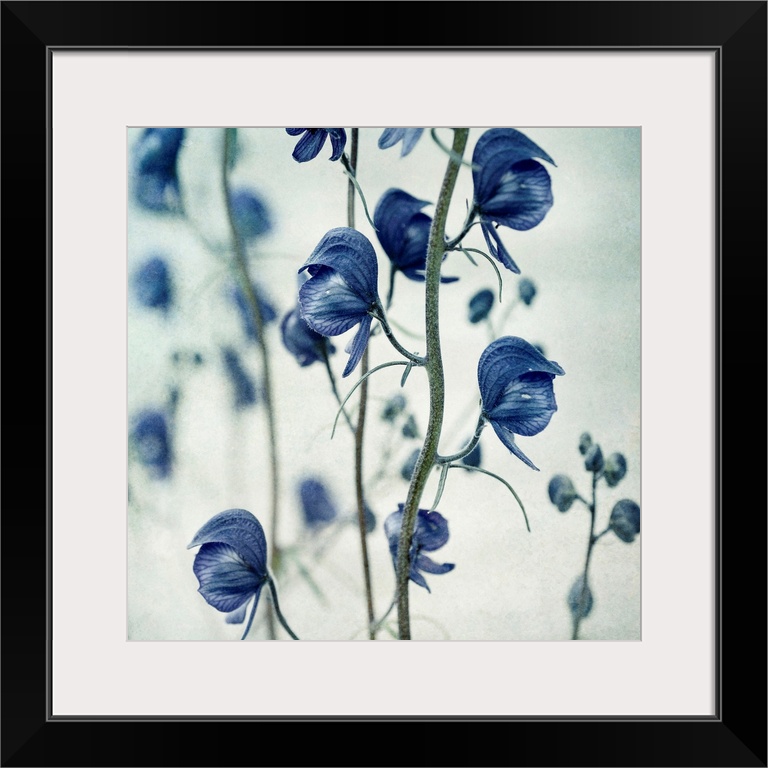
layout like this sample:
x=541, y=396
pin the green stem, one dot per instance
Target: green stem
x=434, y=367
x=243, y=277
x=276, y=606
x=361, y=409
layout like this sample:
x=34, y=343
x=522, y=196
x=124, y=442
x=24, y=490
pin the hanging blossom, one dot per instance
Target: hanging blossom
x=316, y=504
x=151, y=437
x=309, y=145
x=403, y=231
x=409, y=137
x=518, y=398
x=152, y=284
x=342, y=289
x=231, y=565
x=430, y=533
x=155, y=182
x=306, y=345
x=250, y=214
x=511, y=189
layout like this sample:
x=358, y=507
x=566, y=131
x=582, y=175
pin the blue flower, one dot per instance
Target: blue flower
x=409, y=137
x=430, y=533
x=403, y=232
x=306, y=345
x=511, y=188
x=516, y=389
x=231, y=564
x=152, y=284
x=625, y=520
x=268, y=312
x=526, y=290
x=243, y=387
x=480, y=305
x=250, y=214
x=316, y=503
x=155, y=177
x=151, y=438
x=342, y=289
x=309, y=145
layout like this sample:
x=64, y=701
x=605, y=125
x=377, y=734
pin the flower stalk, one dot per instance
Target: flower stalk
x=435, y=375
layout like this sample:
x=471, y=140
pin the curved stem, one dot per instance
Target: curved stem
x=241, y=271
x=434, y=367
x=351, y=166
x=332, y=379
x=276, y=606
x=481, y=422
x=378, y=314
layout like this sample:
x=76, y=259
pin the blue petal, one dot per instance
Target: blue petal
x=507, y=437
x=316, y=503
x=237, y=616
x=526, y=405
x=351, y=254
x=338, y=141
x=431, y=531
x=402, y=229
x=496, y=151
x=226, y=579
x=409, y=137
x=506, y=359
x=242, y=531
x=426, y=564
x=309, y=145
x=328, y=305
x=496, y=247
x=301, y=341
x=357, y=346
x=522, y=198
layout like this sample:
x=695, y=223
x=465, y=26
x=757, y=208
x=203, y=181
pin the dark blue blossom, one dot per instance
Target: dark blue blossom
x=403, y=231
x=518, y=398
x=309, y=145
x=155, y=181
x=526, y=290
x=409, y=137
x=243, y=386
x=151, y=438
x=231, y=564
x=316, y=503
x=430, y=533
x=250, y=214
x=562, y=492
x=511, y=188
x=342, y=290
x=152, y=284
x=268, y=312
x=306, y=345
x=625, y=520
x=480, y=305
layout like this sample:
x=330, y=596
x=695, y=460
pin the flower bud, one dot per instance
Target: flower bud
x=409, y=428
x=393, y=408
x=526, y=290
x=615, y=469
x=625, y=520
x=593, y=460
x=561, y=492
x=585, y=442
x=480, y=305
x=580, y=599
x=410, y=464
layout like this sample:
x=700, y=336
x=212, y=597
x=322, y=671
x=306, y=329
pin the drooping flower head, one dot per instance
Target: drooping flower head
x=243, y=386
x=342, y=289
x=250, y=213
x=155, y=177
x=409, y=137
x=231, y=564
x=309, y=145
x=152, y=284
x=429, y=534
x=518, y=398
x=306, y=345
x=316, y=504
x=151, y=437
x=268, y=312
x=511, y=188
x=403, y=231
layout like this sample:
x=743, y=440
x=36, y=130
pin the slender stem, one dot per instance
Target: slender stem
x=391, y=290
x=276, y=606
x=241, y=271
x=592, y=539
x=332, y=379
x=434, y=366
x=481, y=422
x=378, y=313
x=361, y=410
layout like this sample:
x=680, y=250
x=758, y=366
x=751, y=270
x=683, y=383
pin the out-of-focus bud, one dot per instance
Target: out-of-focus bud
x=410, y=464
x=625, y=520
x=562, y=492
x=409, y=428
x=585, y=442
x=526, y=290
x=393, y=408
x=593, y=460
x=480, y=305
x=615, y=468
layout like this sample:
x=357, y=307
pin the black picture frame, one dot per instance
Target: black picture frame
x=736, y=736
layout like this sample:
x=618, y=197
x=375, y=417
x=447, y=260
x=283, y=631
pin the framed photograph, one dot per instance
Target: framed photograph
x=224, y=310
